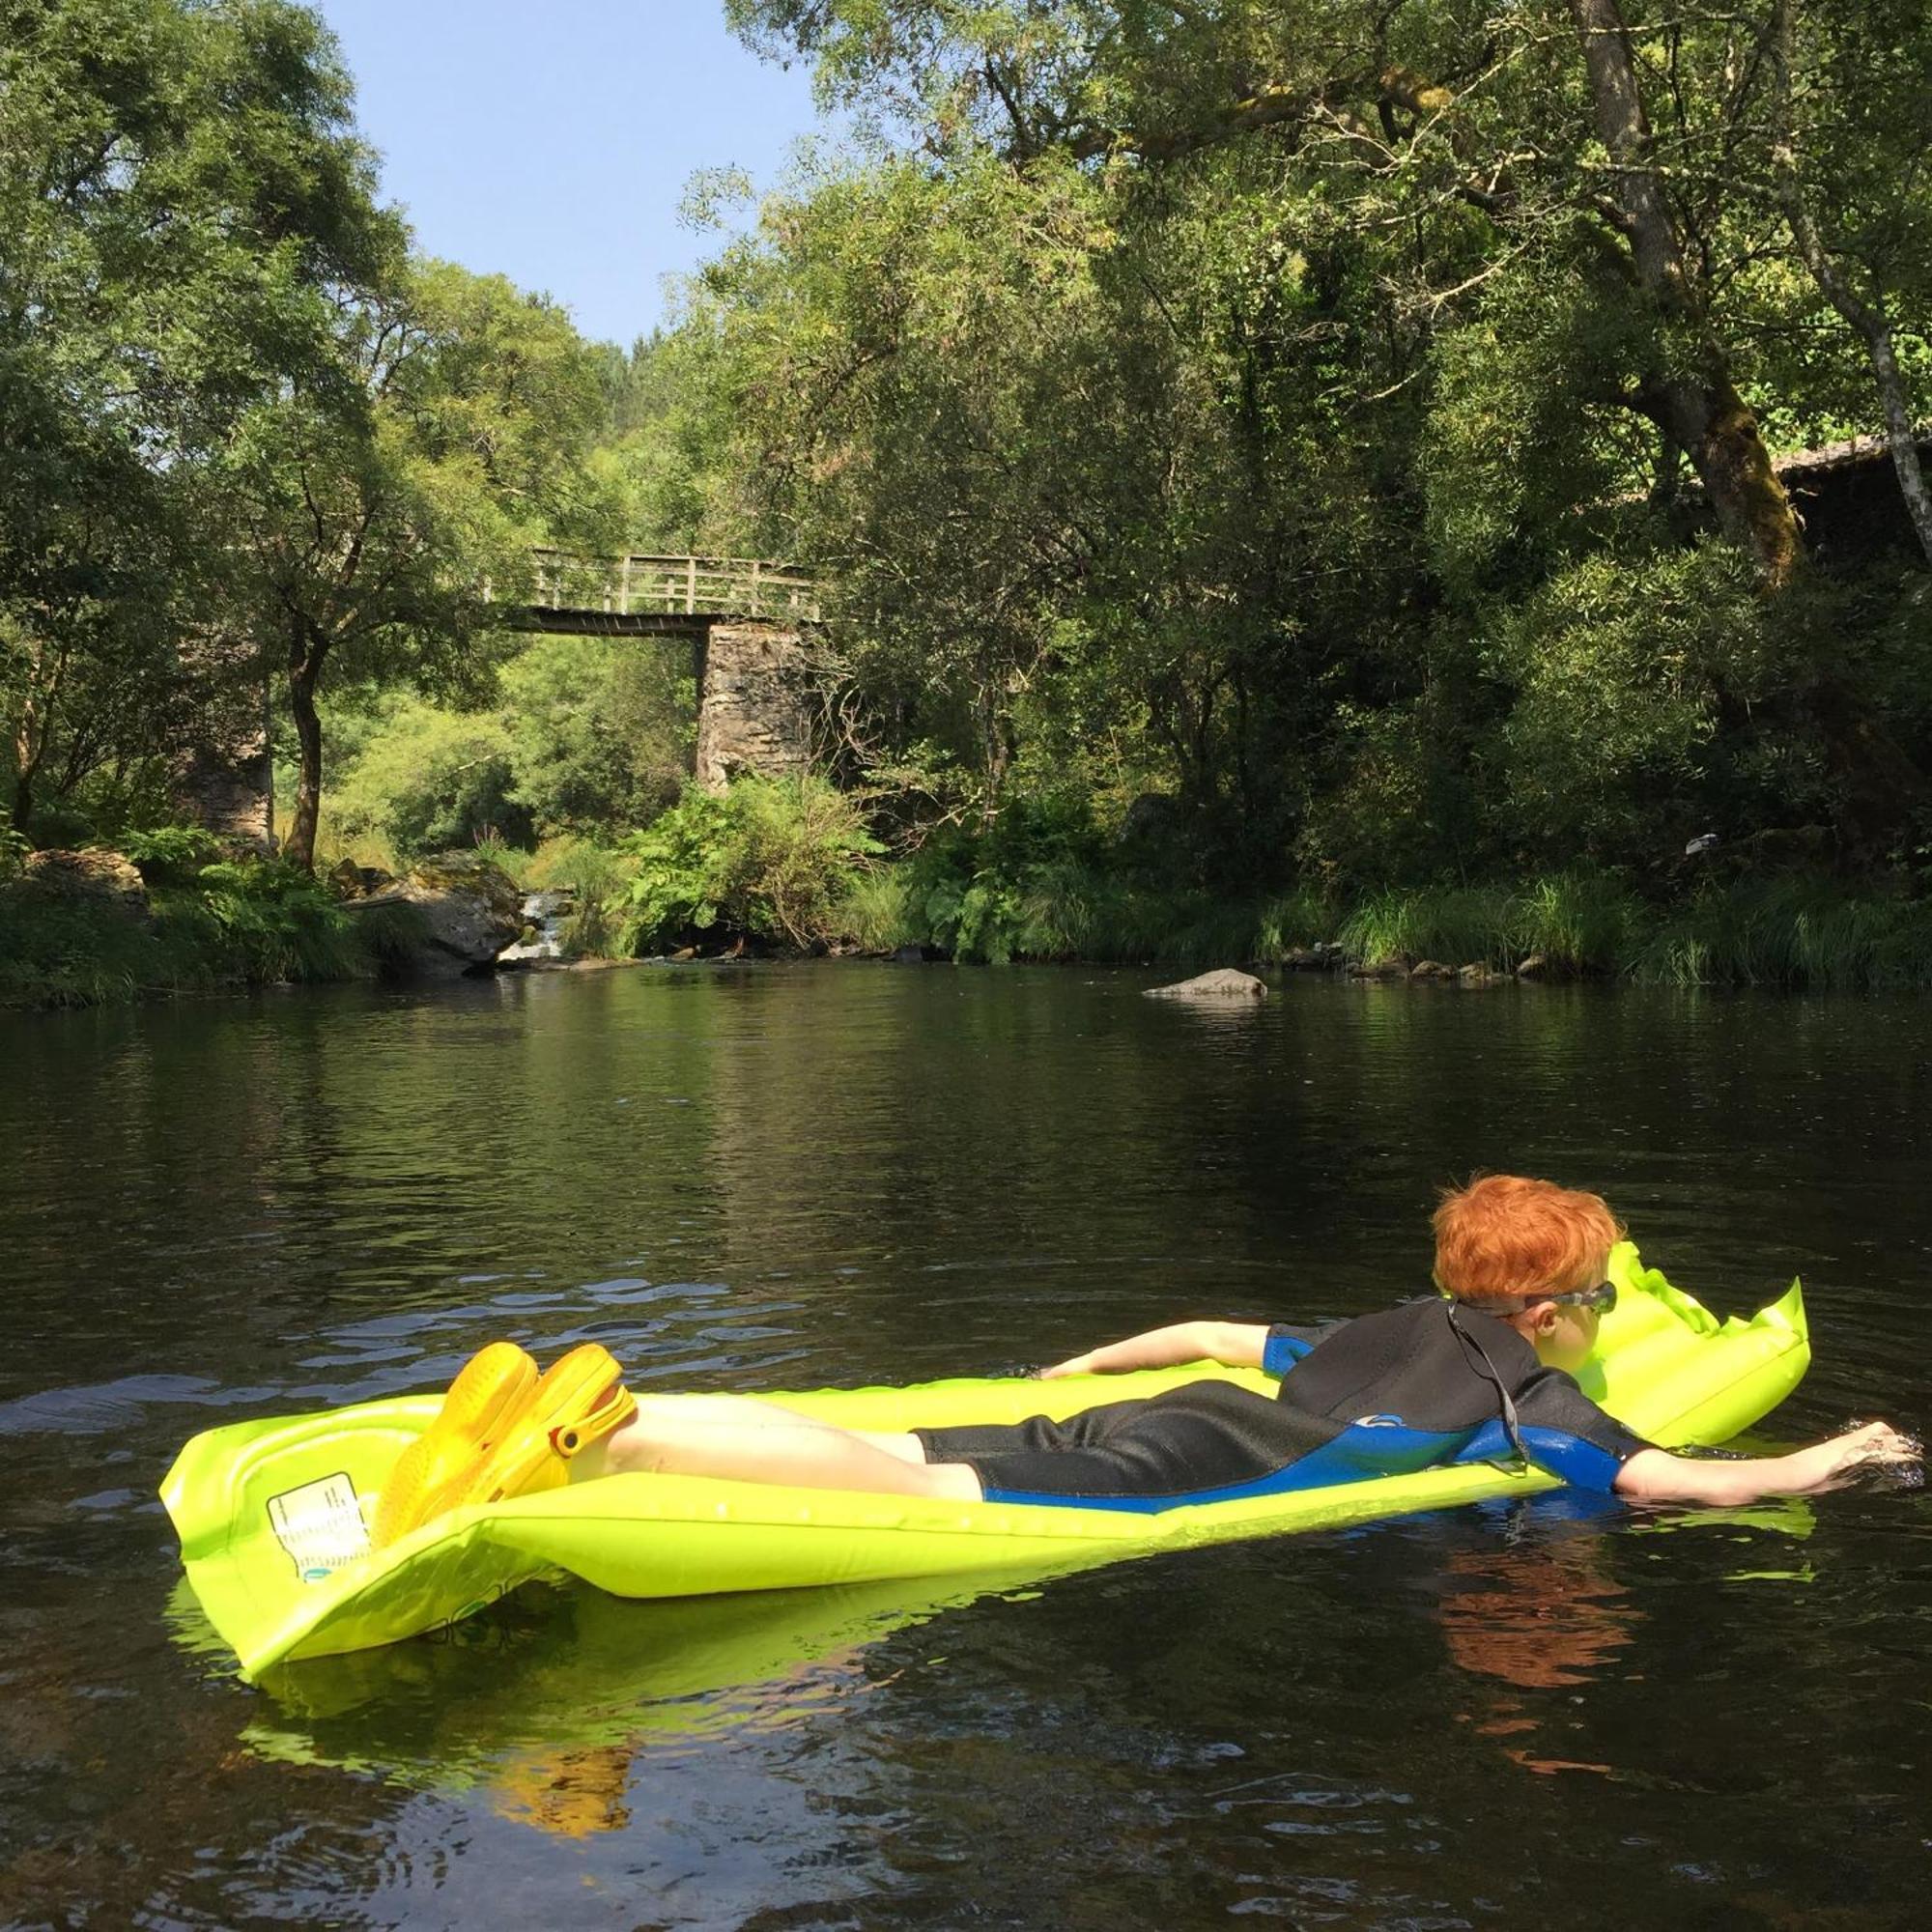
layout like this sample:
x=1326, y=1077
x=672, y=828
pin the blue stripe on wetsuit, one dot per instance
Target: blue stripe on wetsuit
x=1365, y=1450
x=1586, y=1465
x=1361, y=1450
x=1280, y=1352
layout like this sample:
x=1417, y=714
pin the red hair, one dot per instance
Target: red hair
x=1505, y=1236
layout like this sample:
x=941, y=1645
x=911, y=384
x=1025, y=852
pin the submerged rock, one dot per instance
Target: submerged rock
x=1224, y=983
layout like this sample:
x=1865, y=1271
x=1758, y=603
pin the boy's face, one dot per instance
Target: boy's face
x=1562, y=1332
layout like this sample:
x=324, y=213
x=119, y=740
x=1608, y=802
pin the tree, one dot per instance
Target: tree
x=1850, y=142
x=179, y=197
x=1450, y=298
x=385, y=506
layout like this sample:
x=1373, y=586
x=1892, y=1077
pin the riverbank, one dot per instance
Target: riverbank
x=176, y=926
x=99, y=926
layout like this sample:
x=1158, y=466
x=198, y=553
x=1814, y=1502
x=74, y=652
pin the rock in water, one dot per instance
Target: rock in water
x=1225, y=983
x=465, y=911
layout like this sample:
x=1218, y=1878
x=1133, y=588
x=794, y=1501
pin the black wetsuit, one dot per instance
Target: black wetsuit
x=1381, y=1395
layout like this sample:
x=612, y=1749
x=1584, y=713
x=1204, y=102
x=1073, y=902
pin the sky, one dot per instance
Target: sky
x=551, y=140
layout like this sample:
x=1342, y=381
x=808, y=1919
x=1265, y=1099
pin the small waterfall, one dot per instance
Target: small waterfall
x=544, y=915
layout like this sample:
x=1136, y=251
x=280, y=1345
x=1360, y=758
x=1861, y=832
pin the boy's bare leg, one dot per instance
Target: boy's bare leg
x=747, y=1442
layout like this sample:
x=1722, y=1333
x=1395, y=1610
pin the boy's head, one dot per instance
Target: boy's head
x=1506, y=1243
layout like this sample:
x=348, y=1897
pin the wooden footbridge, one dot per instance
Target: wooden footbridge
x=639, y=596
x=747, y=621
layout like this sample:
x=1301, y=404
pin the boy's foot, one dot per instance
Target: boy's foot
x=578, y=1401
x=491, y=1389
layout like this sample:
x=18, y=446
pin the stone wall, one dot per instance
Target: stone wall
x=754, y=703
x=224, y=781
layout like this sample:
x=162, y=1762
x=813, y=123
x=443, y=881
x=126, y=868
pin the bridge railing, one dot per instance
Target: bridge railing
x=639, y=586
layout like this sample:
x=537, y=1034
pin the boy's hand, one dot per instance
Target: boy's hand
x=1874, y=1442
x=1075, y=1364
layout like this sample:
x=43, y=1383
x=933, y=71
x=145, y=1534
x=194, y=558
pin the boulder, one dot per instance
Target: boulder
x=1379, y=969
x=1324, y=957
x=1538, y=967
x=1430, y=969
x=349, y=881
x=463, y=912
x=1225, y=983
x=94, y=878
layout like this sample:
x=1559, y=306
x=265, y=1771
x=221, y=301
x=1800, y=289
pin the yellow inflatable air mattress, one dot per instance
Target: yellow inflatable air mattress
x=274, y=1516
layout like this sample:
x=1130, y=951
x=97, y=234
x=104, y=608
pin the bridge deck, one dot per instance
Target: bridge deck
x=653, y=596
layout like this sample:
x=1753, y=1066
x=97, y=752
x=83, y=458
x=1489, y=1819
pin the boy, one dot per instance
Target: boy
x=1478, y=1371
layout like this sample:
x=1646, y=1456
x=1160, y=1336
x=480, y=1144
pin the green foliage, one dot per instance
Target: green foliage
x=182, y=205
x=599, y=730
x=1800, y=934
x=427, y=779
x=276, y=922
x=596, y=877
x=770, y=859
x=249, y=923
x=1577, y=921
x=170, y=854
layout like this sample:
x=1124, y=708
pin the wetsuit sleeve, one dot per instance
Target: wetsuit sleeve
x=1286, y=1344
x=1567, y=1433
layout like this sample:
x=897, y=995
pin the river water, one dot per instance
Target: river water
x=767, y=1178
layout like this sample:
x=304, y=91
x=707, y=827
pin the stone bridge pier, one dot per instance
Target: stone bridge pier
x=755, y=708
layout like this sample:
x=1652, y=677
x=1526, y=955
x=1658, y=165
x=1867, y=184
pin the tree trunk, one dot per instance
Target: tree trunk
x=304, y=667
x=1868, y=318
x=24, y=799
x=1701, y=409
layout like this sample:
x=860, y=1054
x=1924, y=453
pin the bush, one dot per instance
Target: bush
x=253, y=922
x=170, y=854
x=1809, y=933
x=277, y=922
x=771, y=859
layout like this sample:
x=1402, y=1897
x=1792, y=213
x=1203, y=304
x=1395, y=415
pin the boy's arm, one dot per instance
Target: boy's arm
x=1655, y=1475
x=1235, y=1344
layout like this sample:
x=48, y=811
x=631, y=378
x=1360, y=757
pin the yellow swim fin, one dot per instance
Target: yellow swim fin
x=578, y=1400
x=492, y=1390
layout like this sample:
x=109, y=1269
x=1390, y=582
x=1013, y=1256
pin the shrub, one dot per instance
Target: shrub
x=170, y=854
x=595, y=876
x=769, y=858
x=275, y=922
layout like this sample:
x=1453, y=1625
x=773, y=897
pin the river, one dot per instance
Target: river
x=766, y=1178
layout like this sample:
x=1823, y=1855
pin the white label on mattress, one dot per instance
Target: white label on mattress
x=321, y=1527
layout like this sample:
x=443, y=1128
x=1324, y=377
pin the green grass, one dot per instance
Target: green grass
x=1813, y=934
x=1803, y=934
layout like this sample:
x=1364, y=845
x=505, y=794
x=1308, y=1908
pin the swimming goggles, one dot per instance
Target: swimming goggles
x=1602, y=1297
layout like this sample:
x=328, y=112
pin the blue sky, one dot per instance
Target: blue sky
x=551, y=140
